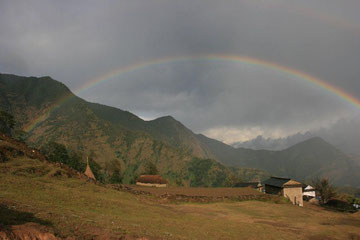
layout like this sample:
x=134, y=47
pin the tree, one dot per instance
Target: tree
x=116, y=177
x=96, y=169
x=150, y=168
x=7, y=122
x=232, y=180
x=56, y=152
x=325, y=190
x=75, y=162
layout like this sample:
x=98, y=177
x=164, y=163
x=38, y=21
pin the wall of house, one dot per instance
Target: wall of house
x=151, y=184
x=272, y=190
x=294, y=194
x=309, y=194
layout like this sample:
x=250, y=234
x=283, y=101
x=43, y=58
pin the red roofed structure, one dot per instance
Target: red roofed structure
x=151, y=181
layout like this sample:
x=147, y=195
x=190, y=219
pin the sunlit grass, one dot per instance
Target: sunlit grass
x=79, y=208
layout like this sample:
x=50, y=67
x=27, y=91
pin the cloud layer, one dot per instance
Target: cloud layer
x=76, y=42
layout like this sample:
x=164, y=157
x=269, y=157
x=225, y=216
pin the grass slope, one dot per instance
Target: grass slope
x=78, y=208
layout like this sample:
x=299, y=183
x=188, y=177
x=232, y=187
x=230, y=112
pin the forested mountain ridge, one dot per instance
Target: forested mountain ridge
x=113, y=137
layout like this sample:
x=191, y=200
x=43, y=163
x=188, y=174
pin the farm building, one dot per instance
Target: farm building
x=308, y=192
x=151, y=181
x=255, y=185
x=286, y=187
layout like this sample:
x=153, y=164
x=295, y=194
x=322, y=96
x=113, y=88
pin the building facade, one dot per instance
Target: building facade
x=286, y=187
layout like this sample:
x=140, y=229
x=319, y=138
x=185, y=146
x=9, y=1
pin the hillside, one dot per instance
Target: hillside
x=106, y=134
x=113, y=137
x=42, y=199
x=304, y=161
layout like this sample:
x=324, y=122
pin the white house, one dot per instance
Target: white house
x=309, y=192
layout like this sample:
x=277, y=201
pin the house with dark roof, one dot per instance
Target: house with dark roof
x=151, y=181
x=286, y=187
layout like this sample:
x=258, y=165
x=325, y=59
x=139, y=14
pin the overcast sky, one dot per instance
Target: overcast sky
x=78, y=41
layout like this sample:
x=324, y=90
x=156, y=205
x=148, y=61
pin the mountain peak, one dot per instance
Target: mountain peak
x=166, y=118
x=314, y=141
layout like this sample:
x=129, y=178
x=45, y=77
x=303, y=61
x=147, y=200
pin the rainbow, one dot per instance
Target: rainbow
x=209, y=57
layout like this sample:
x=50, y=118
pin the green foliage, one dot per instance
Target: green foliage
x=116, y=177
x=206, y=173
x=250, y=174
x=75, y=161
x=232, y=180
x=150, y=168
x=56, y=152
x=7, y=122
x=130, y=174
x=325, y=190
x=96, y=169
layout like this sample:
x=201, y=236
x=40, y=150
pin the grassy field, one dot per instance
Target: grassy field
x=199, y=191
x=31, y=190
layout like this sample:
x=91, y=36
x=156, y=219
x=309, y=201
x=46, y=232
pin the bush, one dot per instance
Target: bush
x=7, y=122
x=325, y=190
x=341, y=205
x=56, y=152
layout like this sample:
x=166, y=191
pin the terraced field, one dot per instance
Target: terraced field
x=201, y=192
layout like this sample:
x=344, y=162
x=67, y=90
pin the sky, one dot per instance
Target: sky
x=79, y=42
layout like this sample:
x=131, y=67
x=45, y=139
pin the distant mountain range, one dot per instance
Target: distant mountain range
x=108, y=135
x=344, y=134
x=274, y=144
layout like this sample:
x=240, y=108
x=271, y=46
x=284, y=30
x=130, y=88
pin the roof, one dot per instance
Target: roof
x=292, y=183
x=276, y=181
x=308, y=188
x=156, y=179
x=88, y=172
x=248, y=184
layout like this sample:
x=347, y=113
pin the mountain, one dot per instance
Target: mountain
x=343, y=134
x=261, y=143
x=49, y=111
x=304, y=161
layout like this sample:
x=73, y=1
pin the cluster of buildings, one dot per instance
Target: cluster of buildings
x=287, y=187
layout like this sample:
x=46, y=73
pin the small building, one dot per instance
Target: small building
x=286, y=187
x=151, y=181
x=308, y=192
x=255, y=185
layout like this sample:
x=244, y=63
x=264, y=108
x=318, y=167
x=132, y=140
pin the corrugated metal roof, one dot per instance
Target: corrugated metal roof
x=276, y=181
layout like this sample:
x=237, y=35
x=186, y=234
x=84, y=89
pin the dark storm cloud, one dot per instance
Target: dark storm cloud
x=78, y=41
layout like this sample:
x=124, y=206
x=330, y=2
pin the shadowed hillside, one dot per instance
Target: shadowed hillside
x=113, y=137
